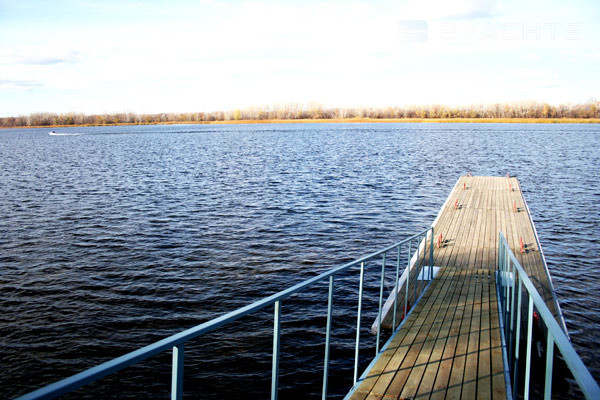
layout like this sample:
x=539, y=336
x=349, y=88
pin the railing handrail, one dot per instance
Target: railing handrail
x=580, y=372
x=541, y=251
x=93, y=374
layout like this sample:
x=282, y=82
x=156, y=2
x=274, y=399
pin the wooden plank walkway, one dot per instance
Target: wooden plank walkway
x=450, y=345
x=486, y=206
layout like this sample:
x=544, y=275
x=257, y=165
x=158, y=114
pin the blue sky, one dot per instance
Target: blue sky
x=152, y=56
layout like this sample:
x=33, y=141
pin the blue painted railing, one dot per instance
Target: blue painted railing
x=513, y=282
x=177, y=342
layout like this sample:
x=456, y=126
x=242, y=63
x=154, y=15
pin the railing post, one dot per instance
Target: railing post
x=512, y=312
x=528, y=355
x=507, y=259
x=327, y=339
x=507, y=272
x=502, y=261
x=177, y=372
x=430, y=255
x=276, y=342
x=517, y=340
x=418, y=271
x=380, y=304
x=407, y=279
x=360, y=295
x=549, y=362
x=397, y=290
x=500, y=256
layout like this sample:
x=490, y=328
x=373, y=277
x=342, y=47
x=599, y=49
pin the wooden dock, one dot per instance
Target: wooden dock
x=450, y=345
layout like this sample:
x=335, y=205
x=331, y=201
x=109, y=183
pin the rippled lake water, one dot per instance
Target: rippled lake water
x=120, y=236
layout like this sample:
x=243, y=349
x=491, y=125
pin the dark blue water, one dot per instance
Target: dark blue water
x=120, y=236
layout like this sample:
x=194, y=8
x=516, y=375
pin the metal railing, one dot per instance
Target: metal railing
x=539, y=246
x=512, y=282
x=177, y=342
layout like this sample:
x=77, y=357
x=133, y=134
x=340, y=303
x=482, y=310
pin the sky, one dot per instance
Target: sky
x=185, y=56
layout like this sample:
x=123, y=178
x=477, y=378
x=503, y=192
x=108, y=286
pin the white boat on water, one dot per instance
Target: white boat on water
x=54, y=133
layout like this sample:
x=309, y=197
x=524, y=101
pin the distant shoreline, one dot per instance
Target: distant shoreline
x=343, y=120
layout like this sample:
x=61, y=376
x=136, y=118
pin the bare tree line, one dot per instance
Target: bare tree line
x=590, y=109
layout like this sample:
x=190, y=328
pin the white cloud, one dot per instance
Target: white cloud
x=449, y=10
x=6, y=84
x=39, y=55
